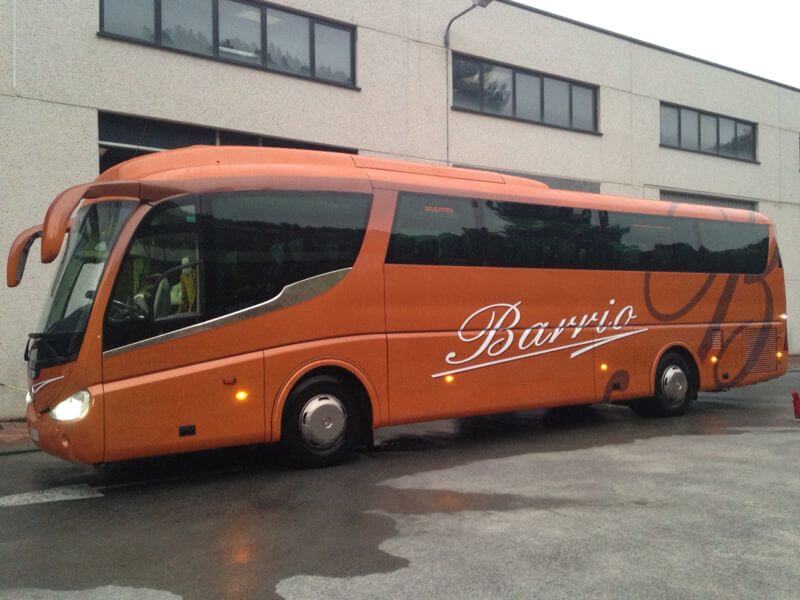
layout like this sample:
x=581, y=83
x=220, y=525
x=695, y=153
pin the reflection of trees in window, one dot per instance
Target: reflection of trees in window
x=745, y=140
x=716, y=134
x=466, y=83
x=506, y=91
x=187, y=39
x=496, y=90
x=285, y=61
x=325, y=72
x=523, y=235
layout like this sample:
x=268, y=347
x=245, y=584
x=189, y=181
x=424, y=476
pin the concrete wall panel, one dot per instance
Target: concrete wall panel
x=7, y=47
x=44, y=148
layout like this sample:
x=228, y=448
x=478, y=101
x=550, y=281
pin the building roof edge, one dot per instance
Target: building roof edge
x=650, y=45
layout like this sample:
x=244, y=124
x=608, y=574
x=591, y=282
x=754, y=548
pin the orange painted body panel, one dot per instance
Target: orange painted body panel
x=18, y=254
x=419, y=338
x=144, y=414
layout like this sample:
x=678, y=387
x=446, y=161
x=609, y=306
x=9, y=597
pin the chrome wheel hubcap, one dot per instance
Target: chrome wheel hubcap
x=322, y=421
x=674, y=385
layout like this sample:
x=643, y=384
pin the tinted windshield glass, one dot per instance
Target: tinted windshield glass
x=69, y=303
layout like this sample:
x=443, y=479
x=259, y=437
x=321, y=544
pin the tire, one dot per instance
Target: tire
x=675, y=389
x=321, y=422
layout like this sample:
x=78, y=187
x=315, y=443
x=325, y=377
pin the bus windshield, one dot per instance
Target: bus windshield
x=67, y=308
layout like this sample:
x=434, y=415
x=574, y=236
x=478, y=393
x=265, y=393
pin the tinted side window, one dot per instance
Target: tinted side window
x=733, y=247
x=435, y=230
x=547, y=237
x=263, y=241
x=636, y=242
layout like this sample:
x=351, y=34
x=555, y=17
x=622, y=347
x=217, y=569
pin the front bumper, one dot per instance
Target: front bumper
x=76, y=441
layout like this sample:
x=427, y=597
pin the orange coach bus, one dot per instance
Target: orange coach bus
x=218, y=296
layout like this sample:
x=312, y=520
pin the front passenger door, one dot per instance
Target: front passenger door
x=153, y=405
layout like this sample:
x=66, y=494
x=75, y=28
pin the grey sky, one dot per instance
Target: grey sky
x=757, y=37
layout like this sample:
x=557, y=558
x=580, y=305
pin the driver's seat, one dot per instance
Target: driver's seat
x=162, y=306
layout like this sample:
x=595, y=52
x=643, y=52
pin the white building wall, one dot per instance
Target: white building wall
x=56, y=73
x=44, y=148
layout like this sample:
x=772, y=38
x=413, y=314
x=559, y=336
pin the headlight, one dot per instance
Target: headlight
x=72, y=408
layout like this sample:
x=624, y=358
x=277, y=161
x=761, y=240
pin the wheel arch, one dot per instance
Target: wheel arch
x=350, y=374
x=682, y=349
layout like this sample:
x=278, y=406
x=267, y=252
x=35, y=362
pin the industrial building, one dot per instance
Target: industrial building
x=85, y=85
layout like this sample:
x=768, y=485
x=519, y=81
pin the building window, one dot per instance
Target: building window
x=187, y=25
x=506, y=91
x=130, y=18
x=241, y=31
x=123, y=137
x=332, y=57
x=709, y=133
x=288, y=42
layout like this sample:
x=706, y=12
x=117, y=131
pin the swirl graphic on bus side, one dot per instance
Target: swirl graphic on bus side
x=720, y=312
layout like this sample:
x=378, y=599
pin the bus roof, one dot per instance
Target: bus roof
x=205, y=169
x=223, y=162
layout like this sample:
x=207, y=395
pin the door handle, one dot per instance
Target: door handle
x=229, y=380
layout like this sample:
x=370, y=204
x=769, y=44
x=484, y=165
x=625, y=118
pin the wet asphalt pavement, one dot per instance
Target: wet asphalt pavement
x=568, y=503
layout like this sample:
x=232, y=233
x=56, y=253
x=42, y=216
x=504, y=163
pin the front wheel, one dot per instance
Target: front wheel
x=675, y=388
x=320, y=422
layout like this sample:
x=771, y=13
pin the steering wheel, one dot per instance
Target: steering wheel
x=127, y=311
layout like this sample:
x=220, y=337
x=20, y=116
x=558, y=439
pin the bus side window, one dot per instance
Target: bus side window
x=263, y=241
x=158, y=286
x=435, y=230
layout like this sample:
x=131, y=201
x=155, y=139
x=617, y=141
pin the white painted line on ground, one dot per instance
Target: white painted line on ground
x=59, y=494
x=100, y=593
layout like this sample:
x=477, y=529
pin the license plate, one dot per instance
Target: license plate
x=34, y=434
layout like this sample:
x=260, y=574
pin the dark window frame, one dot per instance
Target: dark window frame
x=717, y=116
x=313, y=19
x=531, y=72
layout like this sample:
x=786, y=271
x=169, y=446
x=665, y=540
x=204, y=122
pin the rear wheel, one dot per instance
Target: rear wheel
x=321, y=422
x=675, y=388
